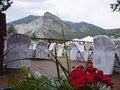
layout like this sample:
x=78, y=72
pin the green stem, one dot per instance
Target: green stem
x=57, y=65
x=68, y=60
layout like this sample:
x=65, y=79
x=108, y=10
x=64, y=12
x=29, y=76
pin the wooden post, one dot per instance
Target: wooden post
x=2, y=34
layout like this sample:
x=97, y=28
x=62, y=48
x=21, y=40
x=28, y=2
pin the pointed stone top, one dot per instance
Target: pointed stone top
x=50, y=15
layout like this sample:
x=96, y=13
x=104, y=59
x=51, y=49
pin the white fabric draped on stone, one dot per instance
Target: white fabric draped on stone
x=117, y=59
x=42, y=50
x=81, y=54
x=17, y=49
x=52, y=49
x=87, y=52
x=73, y=52
x=60, y=50
x=104, y=53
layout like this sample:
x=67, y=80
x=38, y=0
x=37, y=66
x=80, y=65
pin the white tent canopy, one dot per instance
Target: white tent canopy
x=76, y=39
x=87, y=39
x=116, y=41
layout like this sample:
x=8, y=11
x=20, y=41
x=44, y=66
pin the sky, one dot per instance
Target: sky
x=97, y=12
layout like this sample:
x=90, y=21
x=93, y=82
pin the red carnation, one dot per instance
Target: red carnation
x=90, y=78
x=81, y=68
x=91, y=69
x=84, y=77
x=107, y=80
x=78, y=78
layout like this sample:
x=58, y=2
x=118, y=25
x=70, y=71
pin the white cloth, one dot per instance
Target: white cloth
x=104, y=54
x=17, y=49
x=87, y=52
x=82, y=55
x=52, y=46
x=117, y=59
x=60, y=50
x=52, y=49
x=73, y=52
x=116, y=41
x=87, y=46
x=33, y=48
x=42, y=50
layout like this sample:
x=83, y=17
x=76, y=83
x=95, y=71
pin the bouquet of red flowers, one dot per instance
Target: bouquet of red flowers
x=89, y=78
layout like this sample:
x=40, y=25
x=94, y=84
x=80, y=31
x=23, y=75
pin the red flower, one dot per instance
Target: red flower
x=99, y=76
x=78, y=78
x=91, y=69
x=107, y=80
x=81, y=68
x=90, y=78
x=109, y=84
x=86, y=76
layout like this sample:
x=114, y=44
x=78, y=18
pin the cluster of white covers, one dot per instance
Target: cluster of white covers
x=19, y=48
x=105, y=56
x=80, y=51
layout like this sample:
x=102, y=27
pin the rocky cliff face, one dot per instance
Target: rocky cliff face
x=34, y=26
x=43, y=26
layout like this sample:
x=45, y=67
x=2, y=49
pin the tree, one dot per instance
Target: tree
x=116, y=6
x=11, y=29
x=33, y=36
x=5, y=4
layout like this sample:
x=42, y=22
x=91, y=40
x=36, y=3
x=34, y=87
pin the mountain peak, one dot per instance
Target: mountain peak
x=48, y=13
